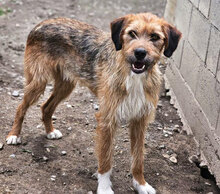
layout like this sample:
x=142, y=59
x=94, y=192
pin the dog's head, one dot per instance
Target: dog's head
x=143, y=38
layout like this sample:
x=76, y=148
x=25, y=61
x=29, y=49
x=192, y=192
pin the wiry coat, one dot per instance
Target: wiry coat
x=67, y=51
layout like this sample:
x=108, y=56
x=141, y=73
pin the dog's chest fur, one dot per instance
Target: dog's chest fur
x=135, y=104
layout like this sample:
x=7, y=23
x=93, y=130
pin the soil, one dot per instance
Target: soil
x=39, y=165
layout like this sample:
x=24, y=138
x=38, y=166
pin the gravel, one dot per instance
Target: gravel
x=15, y=93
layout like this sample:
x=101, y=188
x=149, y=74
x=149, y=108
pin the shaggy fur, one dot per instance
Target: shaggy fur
x=119, y=68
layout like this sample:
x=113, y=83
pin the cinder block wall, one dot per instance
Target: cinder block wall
x=194, y=72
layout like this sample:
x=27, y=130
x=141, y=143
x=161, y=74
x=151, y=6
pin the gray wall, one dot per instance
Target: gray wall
x=193, y=73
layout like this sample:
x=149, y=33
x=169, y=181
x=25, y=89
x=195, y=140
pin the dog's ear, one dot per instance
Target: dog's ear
x=172, y=39
x=116, y=28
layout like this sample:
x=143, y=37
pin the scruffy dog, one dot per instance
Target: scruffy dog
x=119, y=68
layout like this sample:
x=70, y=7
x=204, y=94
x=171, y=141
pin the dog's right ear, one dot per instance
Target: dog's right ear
x=116, y=28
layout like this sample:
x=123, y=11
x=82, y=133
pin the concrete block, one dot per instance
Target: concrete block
x=218, y=70
x=213, y=50
x=196, y=87
x=207, y=96
x=190, y=66
x=183, y=15
x=214, y=13
x=199, y=33
x=218, y=126
x=217, y=88
x=170, y=9
x=204, y=7
x=196, y=119
x=195, y=2
x=177, y=55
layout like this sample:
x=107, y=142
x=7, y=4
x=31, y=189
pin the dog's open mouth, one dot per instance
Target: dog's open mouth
x=138, y=67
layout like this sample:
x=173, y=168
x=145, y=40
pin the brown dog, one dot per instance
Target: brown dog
x=120, y=69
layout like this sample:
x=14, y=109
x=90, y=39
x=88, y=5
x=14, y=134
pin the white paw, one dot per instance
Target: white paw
x=143, y=189
x=105, y=191
x=104, y=183
x=13, y=139
x=55, y=134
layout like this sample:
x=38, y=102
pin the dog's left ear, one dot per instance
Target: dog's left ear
x=116, y=28
x=172, y=39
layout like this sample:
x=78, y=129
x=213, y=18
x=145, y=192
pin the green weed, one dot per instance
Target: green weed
x=4, y=11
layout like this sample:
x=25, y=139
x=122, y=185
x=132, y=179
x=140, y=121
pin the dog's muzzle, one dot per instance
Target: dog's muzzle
x=140, y=61
x=138, y=67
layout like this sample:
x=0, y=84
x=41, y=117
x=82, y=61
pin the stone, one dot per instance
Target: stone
x=173, y=159
x=39, y=126
x=12, y=156
x=90, y=150
x=166, y=135
x=162, y=147
x=15, y=93
x=68, y=106
x=45, y=158
x=52, y=179
x=96, y=107
x=69, y=128
x=54, y=117
x=166, y=155
x=193, y=159
x=203, y=164
x=207, y=183
x=1, y=146
x=63, y=153
x=167, y=132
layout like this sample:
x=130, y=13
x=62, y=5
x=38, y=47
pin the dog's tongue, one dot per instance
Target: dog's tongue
x=138, y=65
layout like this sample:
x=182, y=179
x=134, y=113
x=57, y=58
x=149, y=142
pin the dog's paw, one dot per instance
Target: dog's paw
x=143, y=189
x=55, y=134
x=105, y=191
x=13, y=140
x=104, y=183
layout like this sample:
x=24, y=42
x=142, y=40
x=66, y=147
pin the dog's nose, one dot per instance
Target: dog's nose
x=140, y=53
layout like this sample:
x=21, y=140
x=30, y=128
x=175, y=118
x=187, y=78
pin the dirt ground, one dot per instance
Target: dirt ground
x=39, y=165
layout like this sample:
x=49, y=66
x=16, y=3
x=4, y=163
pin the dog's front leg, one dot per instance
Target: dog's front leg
x=104, y=150
x=137, y=129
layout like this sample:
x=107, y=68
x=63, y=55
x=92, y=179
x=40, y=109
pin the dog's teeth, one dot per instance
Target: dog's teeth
x=133, y=66
x=142, y=68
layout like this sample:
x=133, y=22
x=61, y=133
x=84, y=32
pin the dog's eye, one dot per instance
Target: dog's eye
x=154, y=37
x=132, y=34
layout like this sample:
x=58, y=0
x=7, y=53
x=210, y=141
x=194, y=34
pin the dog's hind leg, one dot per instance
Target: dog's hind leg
x=32, y=92
x=62, y=89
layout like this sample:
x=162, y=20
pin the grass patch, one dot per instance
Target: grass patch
x=4, y=11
